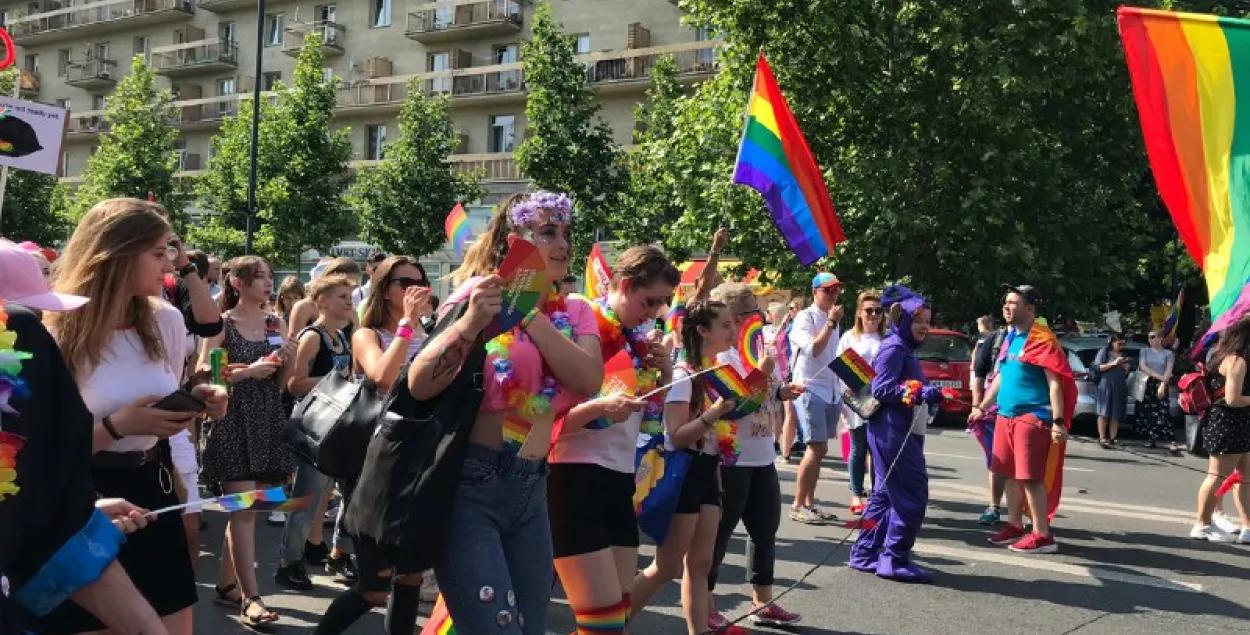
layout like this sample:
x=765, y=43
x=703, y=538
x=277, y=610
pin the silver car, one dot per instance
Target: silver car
x=1081, y=353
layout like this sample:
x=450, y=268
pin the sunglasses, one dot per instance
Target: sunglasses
x=872, y=310
x=404, y=283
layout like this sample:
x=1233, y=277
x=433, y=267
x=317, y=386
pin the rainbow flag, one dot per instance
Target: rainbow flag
x=457, y=228
x=619, y=376
x=440, y=620
x=853, y=370
x=774, y=159
x=598, y=274
x=1191, y=77
x=515, y=431
x=749, y=392
x=245, y=500
x=1174, y=317
x=676, y=312
x=751, y=341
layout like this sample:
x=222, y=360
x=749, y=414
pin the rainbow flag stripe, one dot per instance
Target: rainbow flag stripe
x=515, y=431
x=853, y=370
x=1191, y=81
x=598, y=276
x=246, y=500
x=751, y=341
x=676, y=312
x=749, y=392
x=457, y=228
x=774, y=159
x=440, y=620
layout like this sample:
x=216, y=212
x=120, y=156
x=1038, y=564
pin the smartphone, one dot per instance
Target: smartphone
x=181, y=401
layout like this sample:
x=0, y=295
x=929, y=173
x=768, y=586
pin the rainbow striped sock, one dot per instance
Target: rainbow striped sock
x=608, y=620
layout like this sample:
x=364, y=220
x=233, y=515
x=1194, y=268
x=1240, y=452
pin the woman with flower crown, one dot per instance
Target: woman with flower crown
x=593, y=529
x=495, y=574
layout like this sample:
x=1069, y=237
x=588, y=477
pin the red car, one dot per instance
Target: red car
x=946, y=357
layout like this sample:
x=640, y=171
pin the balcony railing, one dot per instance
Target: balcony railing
x=634, y=66
x=333, y=36
x=97, y=17
x=202, y=56
x=230, y=5
x=92, y=74
x=492, y=166
x=431, y=24
x=374, y=94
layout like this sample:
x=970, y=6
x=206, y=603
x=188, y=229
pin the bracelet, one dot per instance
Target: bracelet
x=107, y=422
x=403, y=332
x=529, y=317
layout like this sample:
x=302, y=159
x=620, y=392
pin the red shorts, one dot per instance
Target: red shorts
x=1021, y=447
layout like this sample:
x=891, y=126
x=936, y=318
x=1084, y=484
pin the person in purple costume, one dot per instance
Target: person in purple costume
x=901, y=488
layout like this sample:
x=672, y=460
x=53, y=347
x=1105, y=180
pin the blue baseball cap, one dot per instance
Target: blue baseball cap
x=825, y=280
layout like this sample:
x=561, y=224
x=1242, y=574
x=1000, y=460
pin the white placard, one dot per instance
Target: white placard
x=31, y=135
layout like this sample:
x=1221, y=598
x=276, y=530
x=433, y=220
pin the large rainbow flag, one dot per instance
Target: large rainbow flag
x=774, y=158
x=1191, y=80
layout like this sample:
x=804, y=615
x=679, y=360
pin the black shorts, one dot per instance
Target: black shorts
x=590, y=508
x=702, y=484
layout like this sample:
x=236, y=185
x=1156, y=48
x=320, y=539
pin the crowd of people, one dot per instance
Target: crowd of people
x=539, y=467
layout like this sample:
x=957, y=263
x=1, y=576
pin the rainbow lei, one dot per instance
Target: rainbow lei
x=727, y=439
x=911, y=392
x=499, y=350
x=613, y=337
x=11, y=384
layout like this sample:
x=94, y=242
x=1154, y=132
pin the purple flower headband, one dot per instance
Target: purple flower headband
x=526, y=211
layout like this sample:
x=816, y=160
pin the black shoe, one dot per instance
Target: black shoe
x=316, y=555
x=342, y=567
x=293, y=576
x=797, y=449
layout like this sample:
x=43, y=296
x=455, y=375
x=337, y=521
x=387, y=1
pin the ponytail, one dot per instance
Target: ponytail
x=699, y=314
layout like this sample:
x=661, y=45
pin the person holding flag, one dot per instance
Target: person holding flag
x=1036, y=395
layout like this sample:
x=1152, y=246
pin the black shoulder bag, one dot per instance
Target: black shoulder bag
x=413, y=462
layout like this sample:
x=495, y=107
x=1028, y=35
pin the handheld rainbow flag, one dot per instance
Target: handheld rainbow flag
x=440, y=620
x=246, y=500
x=457, y=229
x=525, y=285
x=774, y=159
x=853, y=370
x=1191, y=75
x=619, y=376
x=1174, y=317
x=598, y=274
x=676, y=312
x=749, y=392
x=751, y=341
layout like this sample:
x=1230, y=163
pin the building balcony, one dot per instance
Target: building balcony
x=493, y=167
x=382, y=95
x=630, y=70
x=86, y=124
x=194, y=58
x=57, y=23
x=432, y=24
x=224, y=6
x=333, y=36
x=209, y=112
x=94, y=75
x=498, y=83
x=29, y=83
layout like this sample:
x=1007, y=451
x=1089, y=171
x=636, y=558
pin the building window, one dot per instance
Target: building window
x=180, y=149
x=327, y=75
x=508, y=54
x=63, y=103
x=98, y=102
x=31, y=63
x=583, y=43
x=63, y=169
x=439, y=62
x=101, y=51
x=225, y=87
x=226, y=31
x=381, y=12
x=502, y=133
x=274, y=25
x=5, y=17
x=62, y=62
x=269, y=81
x=375, y=142
x=143, y=46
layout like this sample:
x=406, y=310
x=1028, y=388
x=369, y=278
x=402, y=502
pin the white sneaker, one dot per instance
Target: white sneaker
x=429, y=587
x=1244, y=538
x=1224, y=523
x=277, y=518
x=1209, y=533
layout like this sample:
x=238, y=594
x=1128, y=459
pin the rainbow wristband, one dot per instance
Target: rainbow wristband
x=529, y=317
x=403, y=332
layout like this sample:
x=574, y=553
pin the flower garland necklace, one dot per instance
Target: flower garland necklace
x=500, y=350
x=11, y=385
x=613, y=337
x=725, y=430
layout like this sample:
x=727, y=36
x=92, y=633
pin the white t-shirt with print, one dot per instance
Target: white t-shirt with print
x=755, y=435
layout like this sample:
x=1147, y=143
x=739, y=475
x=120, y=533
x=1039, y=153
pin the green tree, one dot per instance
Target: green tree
x=568, y=146
x=651, y=199
x=137, y=154
x=301, y=171
x=402, y=203
x=28, y=212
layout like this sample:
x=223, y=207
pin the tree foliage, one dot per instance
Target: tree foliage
x=568, y=146
x=137, y=154
x=301, y=171
x=28, y=212
x=402, y=203
x=964, y=145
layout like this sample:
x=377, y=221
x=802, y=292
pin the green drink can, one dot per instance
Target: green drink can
x=217, y=364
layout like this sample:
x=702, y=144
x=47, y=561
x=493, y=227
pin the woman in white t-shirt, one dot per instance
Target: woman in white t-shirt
x=125, y=348
x=865, y=339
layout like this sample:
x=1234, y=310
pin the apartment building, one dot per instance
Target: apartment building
x=73, y=53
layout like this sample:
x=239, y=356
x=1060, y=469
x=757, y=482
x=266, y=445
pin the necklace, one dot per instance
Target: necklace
x=614, y=336
x=499, y=351
x=11, y=385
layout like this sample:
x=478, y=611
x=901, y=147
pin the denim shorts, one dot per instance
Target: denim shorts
x=496, y=574
x=817, y=417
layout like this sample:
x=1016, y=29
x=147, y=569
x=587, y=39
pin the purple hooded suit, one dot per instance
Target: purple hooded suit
x=897, y=505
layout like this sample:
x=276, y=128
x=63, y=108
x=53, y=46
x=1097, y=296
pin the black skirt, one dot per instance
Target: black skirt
x=156, y=557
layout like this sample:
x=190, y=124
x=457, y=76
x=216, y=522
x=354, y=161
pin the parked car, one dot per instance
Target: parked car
x=946, y=357
x=1081, y=353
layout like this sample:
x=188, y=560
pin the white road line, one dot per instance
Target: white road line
x=1040, y=563
x=981, y=459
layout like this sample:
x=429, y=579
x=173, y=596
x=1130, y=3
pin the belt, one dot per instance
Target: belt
x=138, y=458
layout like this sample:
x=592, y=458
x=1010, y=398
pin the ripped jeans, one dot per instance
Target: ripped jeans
x=496, y=574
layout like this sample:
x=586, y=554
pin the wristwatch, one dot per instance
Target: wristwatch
x=1058, y=422
x=405, y=323
x=188, y=270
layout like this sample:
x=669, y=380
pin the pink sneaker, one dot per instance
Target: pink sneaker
x=717, y=623
x=1035, y=543
x=774, y=615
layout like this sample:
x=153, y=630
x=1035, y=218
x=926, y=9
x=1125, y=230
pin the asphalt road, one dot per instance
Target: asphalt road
x=1125, y=566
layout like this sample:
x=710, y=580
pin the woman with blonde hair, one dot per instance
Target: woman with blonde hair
x=125, y=350
x=865, y=339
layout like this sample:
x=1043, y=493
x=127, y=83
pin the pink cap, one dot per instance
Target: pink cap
x=21, y=282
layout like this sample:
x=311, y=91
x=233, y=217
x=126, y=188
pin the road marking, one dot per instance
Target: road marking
x=981, y=459
x=1040, y=563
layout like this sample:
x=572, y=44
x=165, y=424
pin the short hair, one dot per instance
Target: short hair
x=376, y=258
x=343, y=266
x=730, y=293
x=200, y=259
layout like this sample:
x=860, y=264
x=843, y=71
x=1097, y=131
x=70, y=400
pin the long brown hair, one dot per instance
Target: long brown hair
x=1235, y=340
x=98, y=263
x=488, y=250
x=291, y=285
x=699, y=314
x=376, y=312
x=872, y=295
x=245, y=269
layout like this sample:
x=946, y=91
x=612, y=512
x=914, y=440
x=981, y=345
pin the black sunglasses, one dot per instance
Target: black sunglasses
x=872, y=310
x=404, y=283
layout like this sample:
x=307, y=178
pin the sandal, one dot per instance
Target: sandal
x=265, y=618
x=857, y=509
x=224, y=595
x=1104, y=444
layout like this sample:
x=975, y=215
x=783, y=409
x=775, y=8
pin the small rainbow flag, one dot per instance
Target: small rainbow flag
x=515, y=431
x=851, y=368
x=751, y=341
x=288, y=505
x=774, y=159
x=526, y=285
x=457, y=228
x=440, y=620
x=245, y=500
x=598, y=274
x=748, y=392
x=1174, y=317
x=676, y=312
x=619, y=376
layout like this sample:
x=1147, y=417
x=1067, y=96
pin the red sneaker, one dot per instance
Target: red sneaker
x=1035, y=543
x=718, y=624
x=774, y=615
x=1009, y=534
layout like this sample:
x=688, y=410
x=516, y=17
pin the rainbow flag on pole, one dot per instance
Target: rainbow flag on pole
x=440, y=620
x=457, y=227
x=774, y=159
x=1191, y=79
x=853, y=370
x=598, y=274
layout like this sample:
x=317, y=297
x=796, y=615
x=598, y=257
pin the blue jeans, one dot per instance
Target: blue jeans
x=496, y=574
x=312, y=483
x=857, y=463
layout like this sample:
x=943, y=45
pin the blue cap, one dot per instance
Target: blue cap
x=825, y=280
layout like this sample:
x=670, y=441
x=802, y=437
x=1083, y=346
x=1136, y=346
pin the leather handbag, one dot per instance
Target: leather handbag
x=330, y=427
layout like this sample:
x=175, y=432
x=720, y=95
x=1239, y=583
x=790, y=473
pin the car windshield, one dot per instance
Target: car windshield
x=944, y=348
